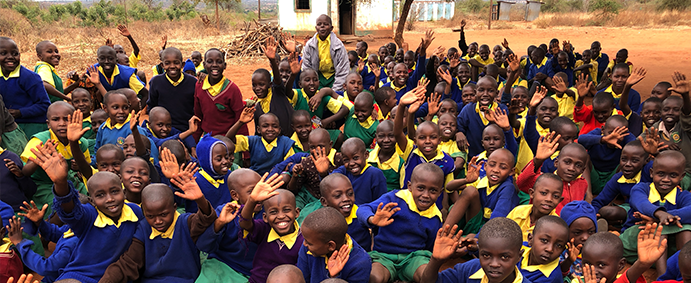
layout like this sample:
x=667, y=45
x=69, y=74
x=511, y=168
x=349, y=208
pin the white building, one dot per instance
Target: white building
x=349, y=17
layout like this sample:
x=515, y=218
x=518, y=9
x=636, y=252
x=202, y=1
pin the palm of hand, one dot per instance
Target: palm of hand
x=55, y=167
x=74, y=131
x=290, y=45
x=169, y=168
x=263, y=191
x=444, y=247
x=322, y=164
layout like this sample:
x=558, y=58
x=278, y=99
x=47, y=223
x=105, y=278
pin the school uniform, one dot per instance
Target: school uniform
x=366, y=131
x=592, y=73
x=169, y=256
x=122, y=77
x=646, y=199
x=65, y=243
x=214, y=189
x=411, y=83
x=572, y=191
x=368, y=77
x=414, y=157
x=620, y=185
x=115, y=134
x=308, y=181
x=221, y=103
x=262, y=154
x=175, y=96
x=391, y=168
x=328, y=107
x=521, y=215
x=566, y=103
x=472, y=272
x=457, y=91
x=604, y=159
x=357, y=269
x=298, y=147
x=534, y=69
x=23, y=90
x=472, y=122
x=497, y=201
x=101, y=240
x=278, y=103
x=414, y=231
x=173, y=135
x=368, y=186
x=584, y=114
x=542, y=273
x=328, y=58
x=529, y=132
x=272, y=249
x=602, y=61
x=517, y=82
x=672, y=272
x=48, y=75
x=634, y=101
x=16, y=190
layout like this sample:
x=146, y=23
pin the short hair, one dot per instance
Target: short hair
x=334, y=280
x=637, y=143
x=562, y=75
x=428, y=169
x=383, y=93
x=355, y=142
x=553, y=41
x=651, y=99
x=136, y=159
x=685, y=252
x=110, y=94
x=603, y=98
x=158, y=192
x=560, y=122
x=301, y=113
x=616, y=118
x=502, y=228
x=673, y=99
x=492, y=68
x=365, y=97
x=674, y=154
x=452, y=49
x=101, y=177
x=483, y=46
x=621, y=66
x=364, y=43
x=550, y=219
x=60, y=104
x=110, y=146
x=324, y=185
x=264, y=72
x=664, y=84
x=576, y=146
x=606, y=239
x=286, y=270
x=385, y=123
x=328, y=223
x=176, y=148
x=223, y=54
x=353, y=53
x=587, y=51
x=41, y=45
x=543, y=47
x=429, y=123
x=544, y=176
x=172, y=50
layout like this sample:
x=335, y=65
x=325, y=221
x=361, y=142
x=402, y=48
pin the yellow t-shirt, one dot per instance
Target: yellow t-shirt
x=46, y=72
x=326, y=65
x=134, y=60
x=521, y=215
x=593, y=70
x=134, y=82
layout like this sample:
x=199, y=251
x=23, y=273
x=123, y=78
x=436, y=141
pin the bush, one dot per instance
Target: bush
x=678, y=5
x=560, y=6
x=472, y=6
x=605, y=7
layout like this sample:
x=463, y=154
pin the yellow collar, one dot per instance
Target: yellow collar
x=68, y=234
x=87, y=119
x=327, y=40
x=116, y=71
x=636, y=179
x=397, y=89
x=654, y=195
x=5, y=245
x=298, y=143
x=213, y=89
x=175, y=83
x=546, y=269
x=431, y=212
x=332, y=155
x=148, y=126
x=440, y=155
x=265, y=102
x=365, y=168
x=270, y=145
x=127, y=215
x=1, y=150
x=214, y=182
x=544, y=61
x=367, y=123
x=52, y=69
x=480, y=274
x=461, y=85
x=614, y=94
x=352, y=215
x=393, y=163
x=289, y=240
x=117, y=126
x=555, y=155
x=13, y=74
x=482, y=115
x=348, y=242
x=482, y=156
x=168, y=234
x=484, y=183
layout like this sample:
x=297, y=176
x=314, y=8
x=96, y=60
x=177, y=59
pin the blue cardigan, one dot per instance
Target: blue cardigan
x=49, y=267
x=614, y=188
x=470, y=124
x=368, y=186
x=356, y=270
x=26, y=94
x=639, y=202
x=603, y=158
x=414, y=77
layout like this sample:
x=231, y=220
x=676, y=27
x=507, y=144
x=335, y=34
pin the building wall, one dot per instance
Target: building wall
x=428, y=10
x=374, y=18
x=301, y=22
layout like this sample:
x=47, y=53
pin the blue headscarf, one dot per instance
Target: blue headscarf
x=205, y=152
x=577, y=209
x=189, y=66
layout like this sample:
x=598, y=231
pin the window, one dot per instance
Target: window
x=302, y=4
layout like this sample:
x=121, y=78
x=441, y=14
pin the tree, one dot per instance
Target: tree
x=398, y=37
x=216, y=3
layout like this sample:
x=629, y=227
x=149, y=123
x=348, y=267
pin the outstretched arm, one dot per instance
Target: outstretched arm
x=126, y=33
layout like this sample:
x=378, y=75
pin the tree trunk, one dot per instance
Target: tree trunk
x=398, y=37
x=218, y=23
x=259, y=9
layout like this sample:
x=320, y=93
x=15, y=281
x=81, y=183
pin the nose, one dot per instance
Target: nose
x=494, y=263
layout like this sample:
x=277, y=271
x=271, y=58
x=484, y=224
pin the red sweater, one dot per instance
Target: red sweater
x=220, y=112
x=624, y=279
x=585, y=114
x=574, y=190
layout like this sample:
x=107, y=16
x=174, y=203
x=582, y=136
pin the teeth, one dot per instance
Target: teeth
x=136, y=183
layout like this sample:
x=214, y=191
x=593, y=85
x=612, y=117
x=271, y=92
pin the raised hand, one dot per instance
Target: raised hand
x=338, y=260
x=164, y=42
x=24, y=278
x=589, y=275
x=74, y=128
x=650, y=247
x=51, y=161
x=505, y=44
x=289, y=42
x=681, y=85
x=193, y=123
x=14, y=230
x=360, y=65
x=94, y=78
x=73, y=75
x=538, y=96
x=383, y=215
x=247, y=115
x=559, y=85
x=583, y=85
x=270, y=48
x=547, y=145
x=13, y=167
x=422, y=83
x=574, y=250
x=187, y=183
x=635, y=77
x=32, y=213
x=614, y=137
x=168, y=163
x=229, y=212
x=266, y=188
x=500, y=117
x=567, y=46
x=412, y=96
x=446, y=243
x=444, y=75
x=321, y=160
x=463, y=23
x=652, y=143
x=433, y=103
x=109, y=42
x=454, y=60
x=134, y=120
x=473, y=170
x=515, y=106
x=427, y=40
x=122, y=29
x=514, y=62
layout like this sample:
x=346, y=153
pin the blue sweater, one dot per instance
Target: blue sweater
x=414, y=77
x=368, y=186
x=368, y=77
x=174, y=134
x=15, y=190
x=262, y=161
x=26, y=94
x=639, y=202
x=672, y=272
x=462, y=272
x=360, y=233
x=533, y=69
x=500, y=201
x=49, y=267
x=634, y=101
x=115, y=136
x=470, y=123
x=178, y=100
x=356, y=270
x=230, y=248
x=538, y=276
x=121, y=80
x=411, y=230
x=216, y=196
x=443, y=160
x=614, y=188
x=97, y=247
x=603, y=158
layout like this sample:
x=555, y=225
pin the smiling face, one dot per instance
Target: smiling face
x=426, y=189
x=280, y=212
x=484, y=52
x=107, y=194
x=546, y=194
x=129, y=147
x=521, y=95
x=447, y=126
x=427, y=139
x=363, y=110
x=219, y=159
x=651, y=112
x=472, y=50
x=400, y=75
x=106, y=57
x=323, y=26
x=196, y=58
x=409, y=59
x=563, y=60
x=632, y=160
x=570, y=163
x=118, y=108
x=315, y=244
x=595, y=49
x=172, y=63
x=81, y=100
x=492, y=139
x=284, y=71
x=383, y=53
x=547, y=110
x=667, y=173
x=260, y=84
x=49, y=53
x=468, y=95
x=547, y=243
x=340, y=195
x=581, y=229
x=214, y=64
x=309, y=81
x=498, y=259
x=354, y=157
x=58, y=118
x=361, y=48
x=671, y=109
x=109, y=160
x=134, y=175
x=269, y=128
x=486, y=92
x=9, y=56
x=398, y=56
x=605, y=264
x=587, y=56
x=463, y=73
x=499, y=166
x=302, y=126
x=160, y=122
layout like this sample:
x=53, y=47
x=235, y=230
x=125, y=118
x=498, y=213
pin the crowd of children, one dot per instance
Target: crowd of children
x=364, y=167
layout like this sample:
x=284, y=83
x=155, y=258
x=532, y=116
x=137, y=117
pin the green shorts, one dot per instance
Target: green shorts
x=401, y=266
x=630, y=240
x=324, y=82
x=333, y=135
x=14, y=141
x=214, y=270
x=599, y=179
x=474, y=224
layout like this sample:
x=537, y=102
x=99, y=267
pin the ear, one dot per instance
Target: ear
x=530, y=239
x=366, y=156
x=297, y=212
x=234, y=195
x=266, y=219
x=621, y=265
x=531, y=191
x=332, y=246
x=651, y=173
x=322, y=200
x=513, y=171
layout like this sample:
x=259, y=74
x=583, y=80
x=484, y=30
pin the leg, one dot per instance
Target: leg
x=418, y=273
x=682, y=238
x=661, y=263
x=379, y=273
x=467, y=203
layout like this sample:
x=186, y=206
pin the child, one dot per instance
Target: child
x=564, y=95
x=368, y=182
x=159, y=128
x=678, y=265
x=322, y=107
x=117, y=127
x=562, y=62
x=156, y=247
x=322, y=46
x=544, y=195
x=359, y=122
x=114, y=76
x=23, y=91
x=384, y=156
x=81, y=100
x=661, y=90
x=582, y=220
x=493, y=196
x=412, y=217
x=59, y=114
x=272, y=96
x=541, y=111
x=196, y=58
x=329, y=251
x=109, y=158
x=620, y=75
x=472, y=118
x=592, y=116
x=12, y=137
x=302, y=127
x=48, y=59
x=135, y=56
x=540, y=261
x=277, y=230
x=385, y=97
x=217, y=97
x=213, y=160
x=261, y=148
x=662, y=199
x=104, y=229
x=17, y=188
x=604, y=147
x=448, y=128
x=538, y=68
x=134, y=175
x=285, y=273
x=632, y=163
x=651, y=110
x=499, y=245
x=570, y=164
x=404, y=81
x=587, y=65
x=173, y=90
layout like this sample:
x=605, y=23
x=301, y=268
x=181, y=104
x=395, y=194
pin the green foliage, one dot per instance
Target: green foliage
x=605, y=7
x=560, y=6
x=472, y=6
x=674, y=5
x=29, y=10
x=183, y=10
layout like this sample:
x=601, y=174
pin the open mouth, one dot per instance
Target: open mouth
x=283, y=225
x=346, y=208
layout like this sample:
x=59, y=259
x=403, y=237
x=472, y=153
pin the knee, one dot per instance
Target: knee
x=469, y=192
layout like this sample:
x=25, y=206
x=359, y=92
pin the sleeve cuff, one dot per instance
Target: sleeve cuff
x=73, y=196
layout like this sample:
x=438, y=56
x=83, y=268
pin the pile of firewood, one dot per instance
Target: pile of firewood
x=253, y=40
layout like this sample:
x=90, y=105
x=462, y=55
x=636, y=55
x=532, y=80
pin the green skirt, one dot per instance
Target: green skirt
x=599, y=179
x=30, y=129
x=324, y=82
x=309, y=208
x=303, y=198
x=14, y=141
x=214, y=270
x=630, y=240
x=474, y=224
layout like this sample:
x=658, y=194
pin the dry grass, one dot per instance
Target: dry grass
x=628, y=18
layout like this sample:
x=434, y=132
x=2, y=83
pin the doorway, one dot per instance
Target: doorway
x=346, y=16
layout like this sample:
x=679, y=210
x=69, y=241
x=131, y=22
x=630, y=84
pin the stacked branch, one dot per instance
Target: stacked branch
x=253, y=40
